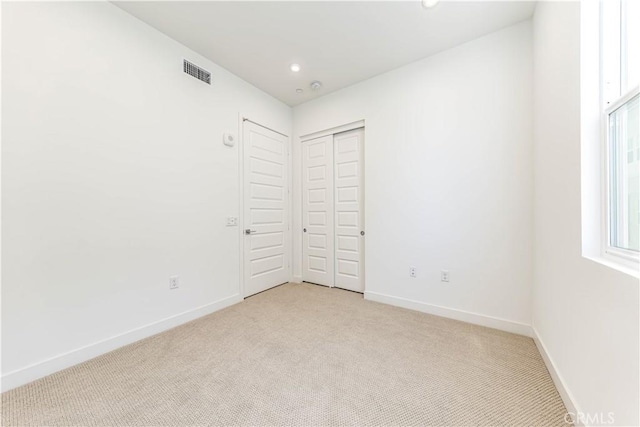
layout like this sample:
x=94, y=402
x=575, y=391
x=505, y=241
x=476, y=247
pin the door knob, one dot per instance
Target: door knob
x=249, y=231
x=304, y=230
x=362, y=233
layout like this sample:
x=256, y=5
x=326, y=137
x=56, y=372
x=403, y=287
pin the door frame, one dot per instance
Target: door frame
x=332, y=131
x=319, y=134
x=288, y=234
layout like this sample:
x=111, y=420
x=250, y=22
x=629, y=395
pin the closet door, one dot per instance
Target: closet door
x=317, y=211
x=349, y=209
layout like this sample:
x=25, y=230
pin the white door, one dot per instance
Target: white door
x=317, y=211
x=266, y=252
x=349, y=226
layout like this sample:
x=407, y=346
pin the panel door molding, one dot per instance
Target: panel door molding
x=333, y=210
x=348, y=207
x=317, y=211
x=266, y=207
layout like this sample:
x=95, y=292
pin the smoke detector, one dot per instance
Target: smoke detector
x=316, y=85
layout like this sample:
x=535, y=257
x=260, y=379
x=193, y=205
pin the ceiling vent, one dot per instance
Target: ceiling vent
x=197, y=72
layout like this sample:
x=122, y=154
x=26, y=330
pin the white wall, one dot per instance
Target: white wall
x=585, y=313
x=114, y=178
x=448, y=178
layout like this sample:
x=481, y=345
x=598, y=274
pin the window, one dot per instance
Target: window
x=620, y=75
x=624, y=156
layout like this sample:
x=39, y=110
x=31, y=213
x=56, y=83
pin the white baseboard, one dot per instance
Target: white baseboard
x=38, y=370
x=563, y=390
x=451, y=313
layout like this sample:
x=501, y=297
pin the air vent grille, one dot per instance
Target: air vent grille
x=197, y=72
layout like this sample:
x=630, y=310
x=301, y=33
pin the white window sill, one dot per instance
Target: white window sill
x=608, y=262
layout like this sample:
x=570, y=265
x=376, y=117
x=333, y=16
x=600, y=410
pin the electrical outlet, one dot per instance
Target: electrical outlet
x=413, y=272
x=444, y=276
x=174, y=282
x=232, y=221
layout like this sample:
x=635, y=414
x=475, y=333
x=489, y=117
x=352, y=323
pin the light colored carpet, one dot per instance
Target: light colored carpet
x=302, y=354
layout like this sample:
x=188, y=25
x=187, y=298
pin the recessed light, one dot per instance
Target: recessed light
x=295, y=68
x=299, y=90
x=316, y=85
x=428, y=4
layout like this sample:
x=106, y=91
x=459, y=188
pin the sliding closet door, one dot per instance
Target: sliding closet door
x=317, y=211
x=349, y=209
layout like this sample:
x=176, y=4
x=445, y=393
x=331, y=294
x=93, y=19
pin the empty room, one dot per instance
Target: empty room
x=320, y=213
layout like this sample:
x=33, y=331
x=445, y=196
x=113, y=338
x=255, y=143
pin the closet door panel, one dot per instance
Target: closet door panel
x=318, y=211
x=349, y=205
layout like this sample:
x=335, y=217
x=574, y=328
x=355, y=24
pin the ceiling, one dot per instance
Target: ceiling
x=338, y=43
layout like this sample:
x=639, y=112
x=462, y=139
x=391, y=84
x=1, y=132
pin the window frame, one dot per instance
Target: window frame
x=626, y=257
x=618, y=256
